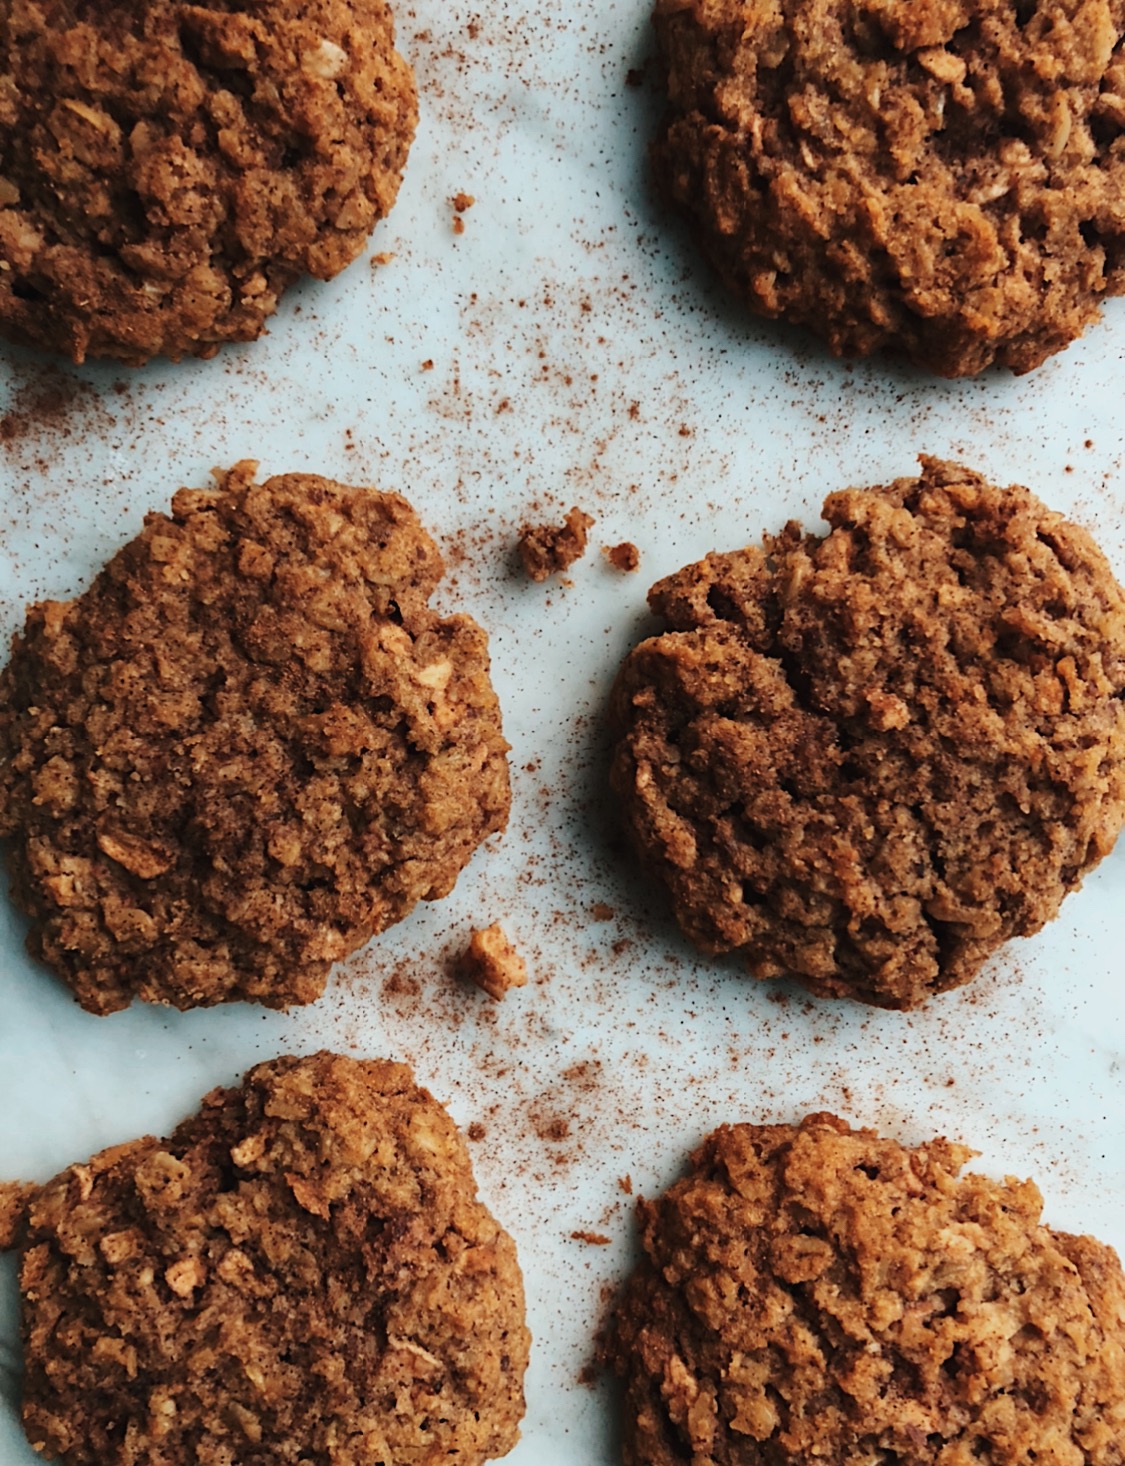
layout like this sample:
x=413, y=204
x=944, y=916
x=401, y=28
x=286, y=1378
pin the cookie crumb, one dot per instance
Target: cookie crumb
x=384, y=257
x=626, y=1184
x=624, y=557
x=476, y=1131
x=635, y=76
x=428, y=364
x=15, y=1198
x=492, y=962
x=602, y=911
x=593, y=1239
x=546, y=549
x=461, y=202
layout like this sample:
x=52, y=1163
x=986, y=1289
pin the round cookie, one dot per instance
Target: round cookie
x=167, y=169
x=247, y=747
x=302, y=1272
x=867, y=760
x=942, y=178
x=814, y=1293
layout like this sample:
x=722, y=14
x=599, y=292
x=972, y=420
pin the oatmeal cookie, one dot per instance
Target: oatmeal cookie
x=167, y=169
x=247, y=747
x=939, y=177
x=302, y=1272
x=814, y=1293
x=866, y=760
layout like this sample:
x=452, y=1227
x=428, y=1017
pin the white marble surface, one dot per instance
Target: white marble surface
x=580, y=355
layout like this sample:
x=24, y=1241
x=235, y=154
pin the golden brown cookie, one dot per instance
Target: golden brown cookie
x=938, y=177
x=167, y=169
x=814, y=1293
x=247, y=747
x=301, y=1272
x=867, y=760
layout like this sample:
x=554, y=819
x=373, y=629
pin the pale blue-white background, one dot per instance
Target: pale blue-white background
x=580, y=354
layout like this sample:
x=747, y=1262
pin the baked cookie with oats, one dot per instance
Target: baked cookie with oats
x=168, y=169
x=941, y=178
x=867, y=759
x=247, y=747
x=815, y=1293
x=301, y=1272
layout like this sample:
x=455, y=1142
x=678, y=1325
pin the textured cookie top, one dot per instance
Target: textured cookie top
x=247, y=747
x=941, y=177
x=867, y=760
x=815, y=1293
x=302, y=1272
x=167, y=169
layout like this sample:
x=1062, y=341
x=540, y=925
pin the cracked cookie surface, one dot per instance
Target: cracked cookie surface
x=867, y=760
x=249, y=745
x=302, y=1272
x=168, y=169
x=817, y=1293
x=938, y=177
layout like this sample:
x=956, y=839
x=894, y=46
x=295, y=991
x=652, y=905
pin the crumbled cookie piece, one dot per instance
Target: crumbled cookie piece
x=492, y=962
x=302, y=1271
x=546, y=549
x=816, y=1293
x=462, y=202
x=869, y=759
x=624, y=557
x=249, y=745
x=937, y=177
x=168, y=169
x=15, y=1198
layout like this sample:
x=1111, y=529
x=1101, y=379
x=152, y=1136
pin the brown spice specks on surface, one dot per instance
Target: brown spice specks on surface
x=546, y=549
x=624, y=557
x=46, y=400
x=492, y=962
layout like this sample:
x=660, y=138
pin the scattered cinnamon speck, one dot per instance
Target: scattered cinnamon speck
x=477, y=1131
x=601, y=911
x=551, y=1127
